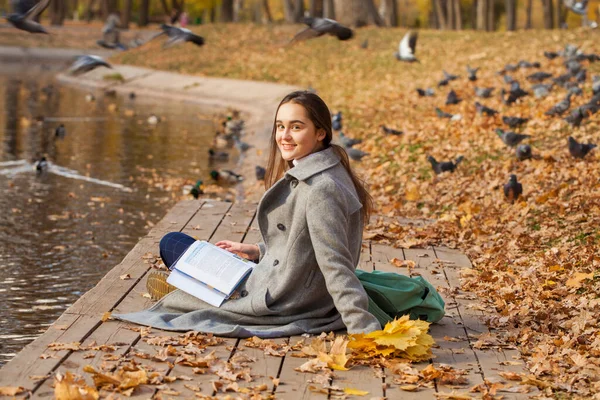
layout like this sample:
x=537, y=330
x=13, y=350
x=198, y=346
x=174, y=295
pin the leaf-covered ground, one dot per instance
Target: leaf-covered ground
x=536, y=261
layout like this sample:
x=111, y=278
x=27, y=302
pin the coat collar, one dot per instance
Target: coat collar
x=318, y=162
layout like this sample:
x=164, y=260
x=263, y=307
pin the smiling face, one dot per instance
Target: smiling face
x=295, y=133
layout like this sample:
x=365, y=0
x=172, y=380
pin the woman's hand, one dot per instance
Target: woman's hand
x=249, y=251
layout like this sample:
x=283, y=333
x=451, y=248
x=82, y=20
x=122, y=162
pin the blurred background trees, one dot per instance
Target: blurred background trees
x=486, y=15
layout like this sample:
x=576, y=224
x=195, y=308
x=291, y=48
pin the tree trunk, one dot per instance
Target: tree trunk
x=165, y=7
x=328, y=9
x=389, y=12
x=491, y=18
x=126, y=14
x=528, y=8
x=238, y=5
x=547, y=5
x=457, y=15
x=482, y=15
x=351, y=12
x=373, y=13
x=57, y=12
x=298, y=11
x=450, y=21
x=267, y=10
x=560, y=15
x=315, y=8
x=227, y=11
x=288, y=11
x=144, y=10
x=439, y=14
x=511, y=14
x=90, y=10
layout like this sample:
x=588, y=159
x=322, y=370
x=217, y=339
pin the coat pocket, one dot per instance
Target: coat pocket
x=260, y=302
x=310, y=278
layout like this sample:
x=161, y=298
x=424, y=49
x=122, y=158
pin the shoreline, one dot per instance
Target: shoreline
x=255, y=100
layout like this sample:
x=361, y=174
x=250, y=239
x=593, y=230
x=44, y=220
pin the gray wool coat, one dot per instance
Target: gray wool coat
x=304, y=282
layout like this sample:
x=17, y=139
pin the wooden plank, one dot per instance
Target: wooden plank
x=179, y=216
x=201, y=225
x=365, y=261
x=66, y=329
x=109, y=333
x=294, y=385
x=265, y=368
x=361, y=377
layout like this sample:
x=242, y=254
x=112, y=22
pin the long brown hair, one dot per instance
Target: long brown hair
x=319, y=114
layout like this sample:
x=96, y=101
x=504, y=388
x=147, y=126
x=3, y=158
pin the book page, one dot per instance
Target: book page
x=213, y=266
x=195, y=288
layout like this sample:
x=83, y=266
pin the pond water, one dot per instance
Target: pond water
x=110, y=178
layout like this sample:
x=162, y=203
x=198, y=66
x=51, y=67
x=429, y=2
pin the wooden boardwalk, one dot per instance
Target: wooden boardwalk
x=84, y=326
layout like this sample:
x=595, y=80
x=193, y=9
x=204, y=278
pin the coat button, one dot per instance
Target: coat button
x=294, y=183
x=244, y=293
x=275, y=262
x=281, y=227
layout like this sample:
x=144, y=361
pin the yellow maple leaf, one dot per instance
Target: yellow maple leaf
x=577, y=280
x=336, y=359
x=68, y=388
x=355, y=392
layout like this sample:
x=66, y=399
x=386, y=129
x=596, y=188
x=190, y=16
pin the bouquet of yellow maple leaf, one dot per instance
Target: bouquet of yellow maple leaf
x=402, y=337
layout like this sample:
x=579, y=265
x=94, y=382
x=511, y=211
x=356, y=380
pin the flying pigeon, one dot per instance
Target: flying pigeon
x=444, y=166
x=472, y=73
x=511, y=138
x=407, y=47
x=523, y=152
x=111, y=34
x=481, y=109
x=425, y=92
x=321, y=26
x=87, y=63
x=513, y=122
x=390, y=131
x=24, y=19
x=452, y=98
x=513, y=189
x=579, y=150
x=179, y=35
x=560, y=107
x=483, y=92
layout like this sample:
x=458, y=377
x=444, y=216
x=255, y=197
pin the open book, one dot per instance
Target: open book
x=209, y=272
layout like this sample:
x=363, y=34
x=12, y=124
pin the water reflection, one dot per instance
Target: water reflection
x=58, y=235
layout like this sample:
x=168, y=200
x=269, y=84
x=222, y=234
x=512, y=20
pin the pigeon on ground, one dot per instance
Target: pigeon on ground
x=322, y=26
x=260, y=173
x=527, y=64
x=561, y=107
x=513, y=189
x=217, y=155
x=390, y=131
x=508, y=79
x=551, y=55
x=429, y=92
x=581, y=76
x=539, y=76
x=365, y=44
x=484, y=92
x=511, y=138
x=444, y=166
x=561, y=80
x=355, y=154
x=573, y=66
x=178, y=35
x=579, y=150
x=514, y=94
x=41, y=165
x=472, y=72
x=575, y=118
x=442, y=114
x=226, y=176
x=481, y=109
x=336, y=121
x=541, y=90
x=60, y=131
x=575, y=91
x=510, y=67
x=111, y=33
x=407, y=47
x=596, y=84
x=24, y=19
x=347, y=141
x=443, y=82
x=523, y=152
x=87, y=63
x=513, y=122
x=452, y=98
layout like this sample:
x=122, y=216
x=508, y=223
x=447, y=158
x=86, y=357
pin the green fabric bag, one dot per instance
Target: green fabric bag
x=393, y=295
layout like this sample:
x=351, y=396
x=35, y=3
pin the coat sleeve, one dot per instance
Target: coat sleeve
x=327, y=214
